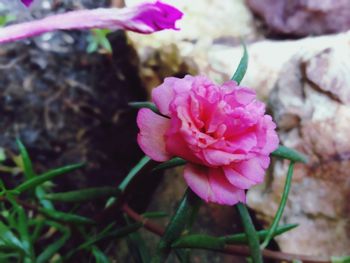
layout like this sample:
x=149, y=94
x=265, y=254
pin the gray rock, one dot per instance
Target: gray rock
x=303, y=17
x=311, y=106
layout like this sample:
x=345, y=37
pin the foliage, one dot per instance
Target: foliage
x=98, y=40
x=38, y=225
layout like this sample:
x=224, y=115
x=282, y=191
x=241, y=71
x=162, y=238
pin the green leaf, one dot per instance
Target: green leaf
x=182, y=220
x=290, y=154
x=22, y=226
x=2, y=154
x=106, y=45
x=27, y=163
x=83, y=195
x=9, y=239
x=217, y=243
x=177, y=161
x=140, y=251
x=38, y=227
x=133, y=173
x=199, y=241
x=65, y=217
x=105, y=234
x=40, y=194
x=280, y=209
x=92, y=47
x=344, y=259
x=253, y=240
x=53, y=248
x=7, y=256
x=144, y=104
x=241, y=238
x=98, y=38
x=24, y=232
x=242, y=67
x=151, y=215
x=38, y=180
x=5, y=19
x=137, y=246
x=100, y=257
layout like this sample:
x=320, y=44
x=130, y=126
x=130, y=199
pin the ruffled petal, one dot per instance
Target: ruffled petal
x=224, y=192
x=211, y=185
x=219, y=158
x=27, y=3
x=271, y=136
x=197, y=179
x=151, y=136
x=237, y=179
x=144, y=18
x=252, y=169
x=176, y=146
x=164, y=94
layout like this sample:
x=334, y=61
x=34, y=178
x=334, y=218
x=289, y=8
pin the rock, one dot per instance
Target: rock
x=212, y=219
x=266, y=58
x=311, y=105
x=320, y=211
x=202, y=35
x=215, y=52
x=303, y=17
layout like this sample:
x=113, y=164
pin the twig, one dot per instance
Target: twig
x=235, y=250
x=148, y=224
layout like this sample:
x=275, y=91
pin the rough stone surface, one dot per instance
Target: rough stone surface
x=197, y=43
x=311, y=105
x=311, y=89
x=303, y=17
x=212, y=219
x=267, y=57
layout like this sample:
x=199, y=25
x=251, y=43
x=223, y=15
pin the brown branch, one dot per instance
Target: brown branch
x=148, y=224
x=235, y=250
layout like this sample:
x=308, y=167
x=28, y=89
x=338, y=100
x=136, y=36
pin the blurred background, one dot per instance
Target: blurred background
x=66, y=96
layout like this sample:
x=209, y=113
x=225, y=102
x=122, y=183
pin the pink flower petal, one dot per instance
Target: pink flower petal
x=176, y=146
x=225, y=193
x=158, y=16
x=145, y=18
x=211, y=185
x=151, y=137
x=271, y=136
x=237, y=180
x=163, y=95
x=171, y=89
x=27, y=2
x=251, y=169
x=219, y=158
x=197, y=179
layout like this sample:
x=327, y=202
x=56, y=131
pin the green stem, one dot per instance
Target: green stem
x=289, y=154
x=253, y=239
x=207, y=241
x=280, y=210
x=182, y=220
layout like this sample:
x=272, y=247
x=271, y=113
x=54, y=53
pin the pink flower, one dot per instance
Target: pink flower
x=145, y=18
x=221, y=130
x=27, y=2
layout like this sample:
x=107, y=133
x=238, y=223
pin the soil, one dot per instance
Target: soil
x=69, y=106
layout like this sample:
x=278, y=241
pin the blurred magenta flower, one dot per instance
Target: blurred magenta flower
x=27, y=2
x=144, y=18
x=221, y=130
